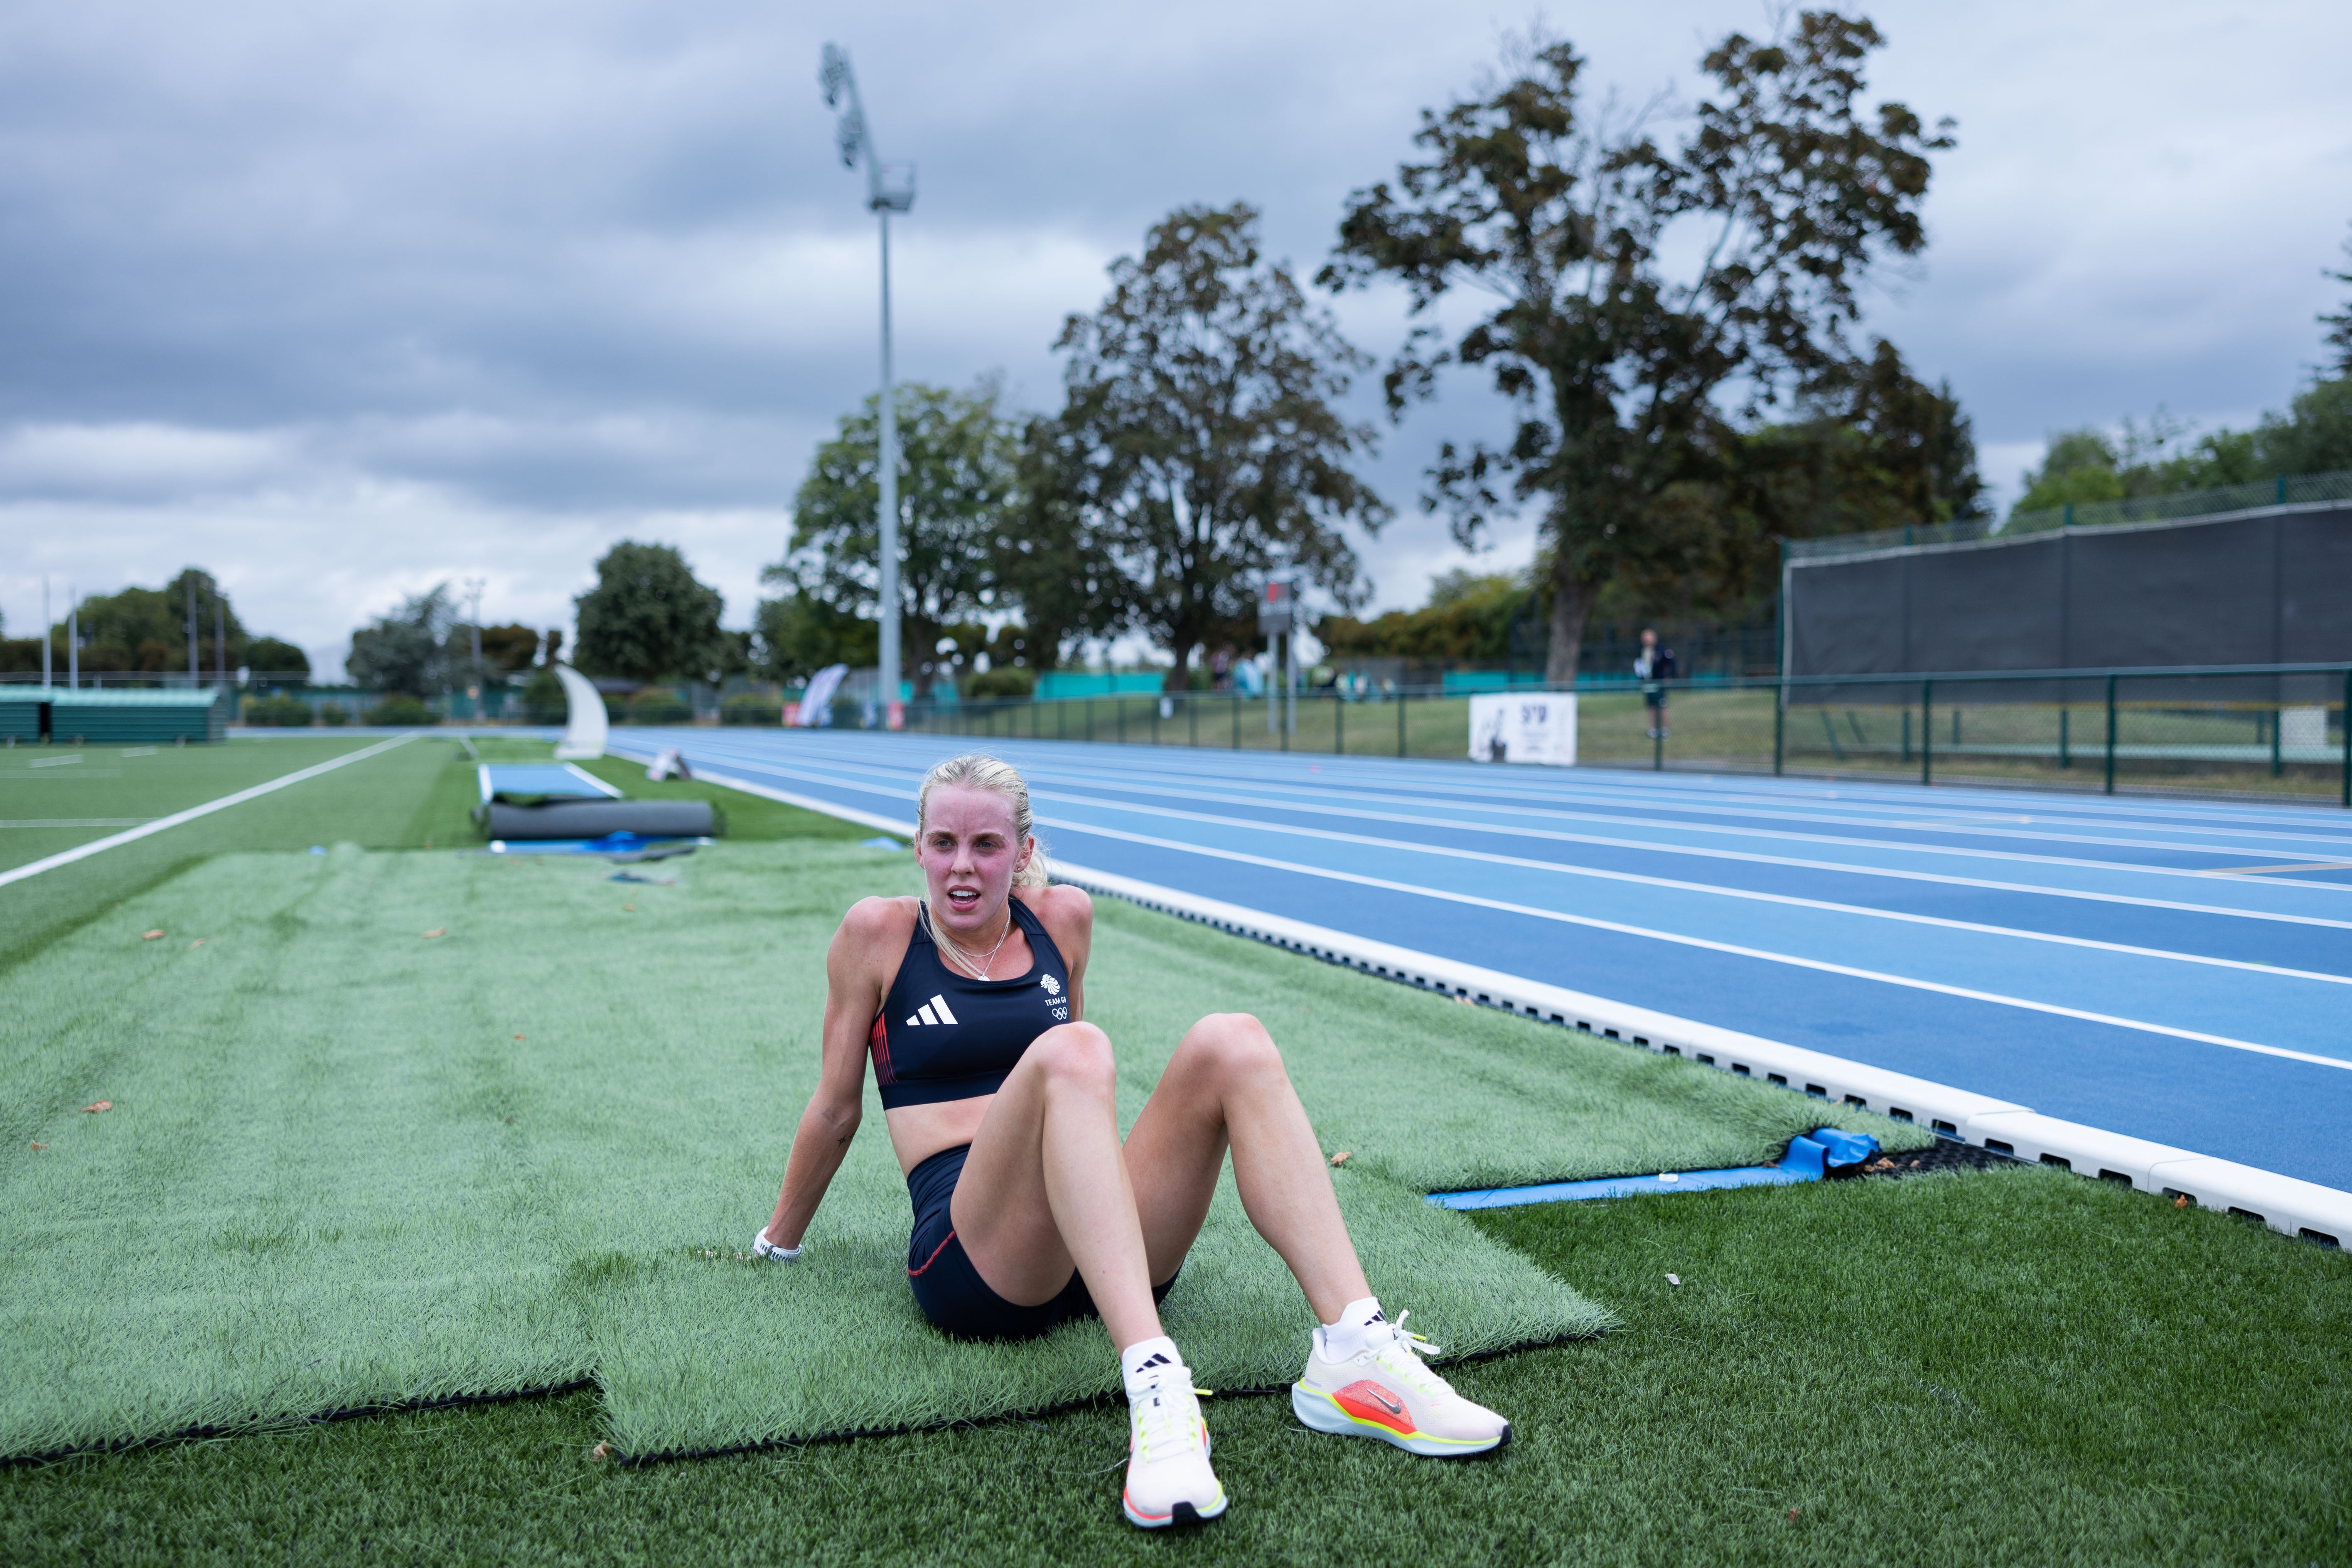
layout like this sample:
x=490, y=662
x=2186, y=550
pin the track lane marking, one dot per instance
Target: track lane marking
x=1759, y=858
x=1596, y=924
x=96, y=845
x=1675, y=884
x=1679, y=885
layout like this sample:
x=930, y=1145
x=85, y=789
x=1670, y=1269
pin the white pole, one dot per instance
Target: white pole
x=44, y=631
x=73, y=638
x=887, y=508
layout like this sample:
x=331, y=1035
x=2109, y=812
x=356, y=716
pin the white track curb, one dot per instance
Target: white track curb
x=2290, y=1206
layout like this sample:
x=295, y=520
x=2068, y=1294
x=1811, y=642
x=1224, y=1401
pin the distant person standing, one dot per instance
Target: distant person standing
x=1653, y=667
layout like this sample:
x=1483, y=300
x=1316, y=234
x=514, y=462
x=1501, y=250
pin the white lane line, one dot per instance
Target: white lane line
x=1556, y=867
x=98, y=846
x=1636, y=878
x=1506, y=796
x=1519, y=799
x=1558, y=916
x=75, y=822
x=1594, y=922
x=1416, y=818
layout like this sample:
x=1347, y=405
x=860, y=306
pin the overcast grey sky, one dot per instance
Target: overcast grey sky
x=342, y=301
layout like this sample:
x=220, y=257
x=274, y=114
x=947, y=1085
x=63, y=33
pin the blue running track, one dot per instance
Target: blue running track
x=2176, y=971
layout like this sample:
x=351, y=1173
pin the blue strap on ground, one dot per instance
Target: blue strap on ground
x=1808, y=1159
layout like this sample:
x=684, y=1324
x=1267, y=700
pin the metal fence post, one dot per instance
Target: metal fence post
x=2347, y=739
x=1399, y=702
x=1237, y=718
x=1926, y=732
x=2111, y=732
x=1780, y=717
x=1192, y=720
x=1338, y=723
x=2277, y=761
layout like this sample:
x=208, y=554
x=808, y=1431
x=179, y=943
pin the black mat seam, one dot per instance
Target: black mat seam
x=261, y=1424
x=675, y=1456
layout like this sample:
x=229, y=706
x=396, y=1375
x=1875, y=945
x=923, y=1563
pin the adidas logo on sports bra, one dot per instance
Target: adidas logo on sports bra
x=934, y=1011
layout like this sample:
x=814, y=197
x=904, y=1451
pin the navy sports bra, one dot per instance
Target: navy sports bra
x=942, y=1034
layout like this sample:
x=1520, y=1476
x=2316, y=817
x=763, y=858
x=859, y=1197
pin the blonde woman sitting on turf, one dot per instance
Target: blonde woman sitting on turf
x=1000, y=1103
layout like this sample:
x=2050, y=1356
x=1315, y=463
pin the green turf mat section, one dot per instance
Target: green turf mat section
x=2020, y=1367
x=332, y=1176
x=411, y=795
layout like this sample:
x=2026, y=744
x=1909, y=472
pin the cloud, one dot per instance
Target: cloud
x=341, y=301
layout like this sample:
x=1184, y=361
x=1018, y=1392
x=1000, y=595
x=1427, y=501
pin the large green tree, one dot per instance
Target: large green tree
x=1053, y=559
x=1651, y=299
x=959, y=458
x=649, y=616
x=1200, y=444
x=407, y=650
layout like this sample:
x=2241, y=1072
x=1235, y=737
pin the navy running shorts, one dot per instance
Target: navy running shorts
x=947, y=1287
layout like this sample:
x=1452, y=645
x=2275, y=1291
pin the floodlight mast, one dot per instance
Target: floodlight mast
x=889, y=188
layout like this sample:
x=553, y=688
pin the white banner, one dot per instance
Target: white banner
x=1533, y=727
x=817, y=702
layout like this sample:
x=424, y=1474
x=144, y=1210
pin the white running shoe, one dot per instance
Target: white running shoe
x=1167, y=1477
x=1384, y=1391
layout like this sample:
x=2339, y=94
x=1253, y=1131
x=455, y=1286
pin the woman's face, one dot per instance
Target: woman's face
x=969, y=854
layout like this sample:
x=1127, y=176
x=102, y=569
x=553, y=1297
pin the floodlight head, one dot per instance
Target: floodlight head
x=833, y=75
x=849, y=135
x=892, y=189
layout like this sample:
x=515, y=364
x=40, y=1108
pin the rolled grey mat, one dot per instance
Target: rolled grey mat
x=596, y=818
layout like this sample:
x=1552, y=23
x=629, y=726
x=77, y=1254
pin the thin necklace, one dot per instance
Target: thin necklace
x=979, y=970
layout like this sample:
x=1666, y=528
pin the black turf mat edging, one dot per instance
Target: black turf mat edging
x=261, y=1424
x=674, y=1456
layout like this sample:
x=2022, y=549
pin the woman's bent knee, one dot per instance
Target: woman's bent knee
x=1077, y=1055
x=1231, y=1043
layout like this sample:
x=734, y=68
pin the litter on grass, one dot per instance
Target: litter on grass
x=437, y=930
x=1675, y=1279
x=149, y=936
x=102, y=1105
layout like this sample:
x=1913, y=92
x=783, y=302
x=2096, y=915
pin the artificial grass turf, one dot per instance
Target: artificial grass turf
x=335, y=1176
x=410, y=795
x=2016, y=1366
x=120, y=785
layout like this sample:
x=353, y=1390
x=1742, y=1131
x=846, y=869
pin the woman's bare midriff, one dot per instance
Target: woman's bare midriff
x=919, y=1132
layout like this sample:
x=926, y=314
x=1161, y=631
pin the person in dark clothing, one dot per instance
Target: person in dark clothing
x=1653, y=667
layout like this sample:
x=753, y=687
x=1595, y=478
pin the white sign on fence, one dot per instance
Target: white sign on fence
x=1536, y=727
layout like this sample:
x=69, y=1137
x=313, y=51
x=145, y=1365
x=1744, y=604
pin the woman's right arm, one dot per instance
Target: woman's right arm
x=855, y=970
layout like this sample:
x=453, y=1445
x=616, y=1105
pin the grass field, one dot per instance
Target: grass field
x=372, y=1166
x=2009, y=1367
x=334, y=1176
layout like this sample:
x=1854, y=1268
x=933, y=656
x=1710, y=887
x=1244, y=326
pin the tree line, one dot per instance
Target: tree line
x=147, y=631
x=1670, y=319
